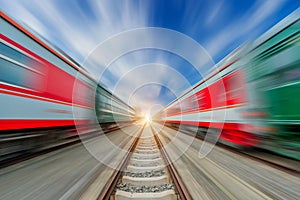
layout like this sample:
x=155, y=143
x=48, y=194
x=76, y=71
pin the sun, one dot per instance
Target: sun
x=147, y=119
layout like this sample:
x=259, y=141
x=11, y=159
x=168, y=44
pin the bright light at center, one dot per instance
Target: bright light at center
x=147, y=119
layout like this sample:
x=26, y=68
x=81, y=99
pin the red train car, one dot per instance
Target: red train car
x=216, y=103
x=37, y=82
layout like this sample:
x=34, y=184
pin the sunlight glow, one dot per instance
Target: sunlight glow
x=147, y=119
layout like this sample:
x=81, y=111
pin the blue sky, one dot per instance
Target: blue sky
x=148, y=76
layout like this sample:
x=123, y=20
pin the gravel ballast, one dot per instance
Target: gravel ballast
x=144, y=189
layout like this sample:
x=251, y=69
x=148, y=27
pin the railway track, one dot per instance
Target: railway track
x=284, y=164
x=145, y=173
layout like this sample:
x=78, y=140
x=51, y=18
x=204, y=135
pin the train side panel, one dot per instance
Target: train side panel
x=32, y=77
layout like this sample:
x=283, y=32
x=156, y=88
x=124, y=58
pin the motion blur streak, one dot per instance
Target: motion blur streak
x=262, y=86
x=233, y=135
x=44, y=88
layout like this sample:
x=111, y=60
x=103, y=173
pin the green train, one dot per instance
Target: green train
x=272, y=67
x=110, y=109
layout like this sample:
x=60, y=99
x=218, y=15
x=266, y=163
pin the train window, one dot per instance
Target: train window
x=18, y=57
x=15, y=69
x=12, y=53
x=15, y=74
x=12, y=73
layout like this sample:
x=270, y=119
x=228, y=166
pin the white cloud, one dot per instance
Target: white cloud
x=110, y=54
x=20, y=12
x=142, y=84
x=214, y=12
x=81, y=39
x=258, y=13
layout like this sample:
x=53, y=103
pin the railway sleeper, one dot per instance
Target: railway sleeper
x=146, y=176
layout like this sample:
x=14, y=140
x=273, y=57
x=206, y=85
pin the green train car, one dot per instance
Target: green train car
x=272, y=67
x=110, y=109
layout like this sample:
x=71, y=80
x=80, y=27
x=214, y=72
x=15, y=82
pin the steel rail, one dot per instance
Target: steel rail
x=110, y=185
x=179, y=185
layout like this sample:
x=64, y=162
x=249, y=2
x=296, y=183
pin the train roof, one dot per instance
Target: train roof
x=284, y=23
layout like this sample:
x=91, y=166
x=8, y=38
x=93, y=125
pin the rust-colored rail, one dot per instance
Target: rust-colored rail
x=179, y=185
x=110, y=185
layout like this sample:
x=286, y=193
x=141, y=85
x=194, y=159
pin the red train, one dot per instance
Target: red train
x=37, y=82
x=44, y=92
x=215, y=103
